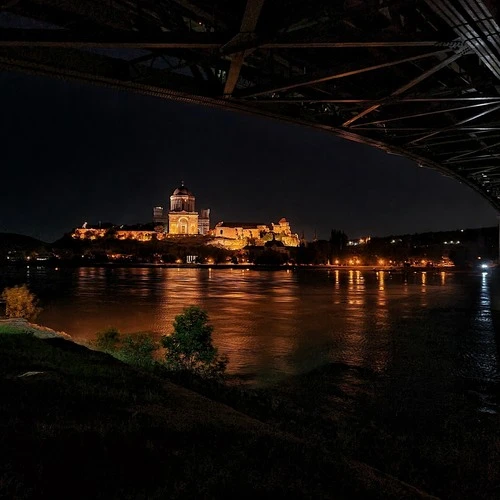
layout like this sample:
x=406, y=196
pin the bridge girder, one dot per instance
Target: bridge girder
x=418, y=78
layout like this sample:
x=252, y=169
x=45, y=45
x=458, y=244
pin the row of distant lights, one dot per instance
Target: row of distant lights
x=444, y=242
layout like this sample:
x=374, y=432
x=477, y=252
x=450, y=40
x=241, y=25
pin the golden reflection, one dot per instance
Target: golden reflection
x=267, y=297
x=364, y=324
x=423, y=294
x=382, y=321
x=266, y=322
x=359, y=279
x=337, y=290
x=239, y=304
x=443, y=278
x=381, y=280
x=180, y=288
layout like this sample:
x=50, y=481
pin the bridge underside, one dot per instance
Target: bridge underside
x=419, y=78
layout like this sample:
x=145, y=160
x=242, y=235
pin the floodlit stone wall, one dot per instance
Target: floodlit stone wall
x=91, y=234
x=183, y=223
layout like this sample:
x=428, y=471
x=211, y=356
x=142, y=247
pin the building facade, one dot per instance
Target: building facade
x=182, y=217
x=234, y=235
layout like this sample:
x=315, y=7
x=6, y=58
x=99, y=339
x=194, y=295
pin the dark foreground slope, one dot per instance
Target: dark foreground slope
x=88, y=426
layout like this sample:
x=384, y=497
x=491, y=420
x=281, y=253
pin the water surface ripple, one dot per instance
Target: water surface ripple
x=437, y=327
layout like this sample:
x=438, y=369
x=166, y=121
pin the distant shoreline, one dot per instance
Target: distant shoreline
x=245, y=267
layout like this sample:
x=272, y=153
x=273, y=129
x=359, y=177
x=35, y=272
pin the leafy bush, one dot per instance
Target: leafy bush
x=108, y=340
x=135, y=349
x=138, y=349
x=189, y=346
x=20, y=302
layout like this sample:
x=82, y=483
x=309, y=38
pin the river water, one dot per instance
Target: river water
x=277, y=323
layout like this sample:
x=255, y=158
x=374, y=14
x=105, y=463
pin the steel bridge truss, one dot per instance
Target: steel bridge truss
x=418, y=78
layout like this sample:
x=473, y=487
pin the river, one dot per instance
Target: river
x=276, y=323
x=397, y=369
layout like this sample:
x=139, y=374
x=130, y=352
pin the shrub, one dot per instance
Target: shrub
x=138, y=349
x=108, y=340
x=189, y=346
x=20, y=302
x=135, y=349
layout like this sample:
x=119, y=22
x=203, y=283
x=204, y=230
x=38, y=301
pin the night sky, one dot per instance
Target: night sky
x=72, y=153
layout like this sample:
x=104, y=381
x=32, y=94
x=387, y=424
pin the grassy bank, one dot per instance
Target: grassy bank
x=77, y=423
x=403, y=431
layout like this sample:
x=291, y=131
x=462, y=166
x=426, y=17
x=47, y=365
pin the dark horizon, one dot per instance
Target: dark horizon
x=74, y=153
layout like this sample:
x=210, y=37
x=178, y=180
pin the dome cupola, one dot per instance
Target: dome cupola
x=182, y=200
x=182, y=190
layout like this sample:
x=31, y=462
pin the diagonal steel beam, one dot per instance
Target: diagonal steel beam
x=468, y=153
x=481, y=35
x=475, y=159
x=455, y=141
x=312, y=80
x=423, y=129
x=406, y=87
x=474, y=171
x=248, y=24
x=300, y=100
x=455, y=125
x=427, y=113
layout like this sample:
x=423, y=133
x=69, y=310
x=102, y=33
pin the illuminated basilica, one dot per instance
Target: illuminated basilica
x=182, y=219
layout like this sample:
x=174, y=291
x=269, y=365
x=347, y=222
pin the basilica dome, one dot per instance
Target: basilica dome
x=182, y=191
x=182, y=200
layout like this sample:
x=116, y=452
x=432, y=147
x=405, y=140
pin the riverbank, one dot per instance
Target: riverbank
x=67, y=409
x=22, y=326
x=77, y=418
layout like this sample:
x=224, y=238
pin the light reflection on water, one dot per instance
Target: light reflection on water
x=272, y=323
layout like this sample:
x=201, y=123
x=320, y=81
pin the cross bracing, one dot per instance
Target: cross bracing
x=418, y=78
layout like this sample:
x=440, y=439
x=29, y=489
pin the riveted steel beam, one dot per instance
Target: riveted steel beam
x=475, y=25
x=454, y=126
x=406, y=87
x=401, y=100
x=175, y=35
x=248, y=25
x=315, y=79
x=427, y=113
x=473, y=152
